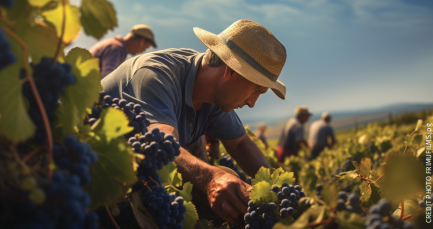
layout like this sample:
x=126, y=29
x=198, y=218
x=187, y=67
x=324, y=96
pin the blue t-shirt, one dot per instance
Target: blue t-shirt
x=162, y=82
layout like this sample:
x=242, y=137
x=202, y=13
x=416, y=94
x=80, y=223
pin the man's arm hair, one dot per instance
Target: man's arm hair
x=246, y=153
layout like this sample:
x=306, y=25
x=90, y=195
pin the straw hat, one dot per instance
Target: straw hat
x=301, y=110
x=326, y=115
x=251, y=50
x=144, y=31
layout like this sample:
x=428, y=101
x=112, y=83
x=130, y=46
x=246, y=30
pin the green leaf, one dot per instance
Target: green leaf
x=418, y=124
x=191, y=216
x=169, y=175
x=276, y=174
x=97, y=17
x=286, y=177
x=72, y=24
x=262, y=193
x=112, y=123
x=308, y=181
x=113, y=173
x=330, y=194
x=313, y=214
x=348, y=220
x=365, y=194
x=349, y=175
x=256, y=140
x=410, y=207
x=83, y=94
x=414, y=139
x=404, y=177
x=15, y=123
x=186, y=191
x=264, y=174
x=420, y=151
x=39, y=3
x=365, y=167
x=143, y=217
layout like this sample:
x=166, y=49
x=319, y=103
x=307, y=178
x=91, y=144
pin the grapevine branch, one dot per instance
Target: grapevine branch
x=113, y=221
x=407, y=217
x=405, y=148
x=363, y=178
x=402, y=210
x=379, y=178
x=34, y=152
x=38, y=99
x=59, y=44
x=15, y=154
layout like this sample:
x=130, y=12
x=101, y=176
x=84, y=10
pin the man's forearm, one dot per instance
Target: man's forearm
x=249, y=157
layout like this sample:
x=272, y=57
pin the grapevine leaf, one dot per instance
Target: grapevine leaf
x=73, y=25
x=15, y=123
x=264, y=174
x=275, y=175
x=191, y=216
x=405, y=170
x=418, y=124
x=39, y=38
x=262, y=193
x=97, y=17
x=186, y=191
x=38, y=3
x=355, y=163
x=365, y=194
x=169, y=175
x=365, y=167
x=143, y=217
x=309, y=181
x=349, y=175
x=113, y=173
x=330, y=195
x=348, y=220
x=286, y=177
x=112, y=123
x=314, y=214
x=83, y=94
x=410, y=207
x=420, y=151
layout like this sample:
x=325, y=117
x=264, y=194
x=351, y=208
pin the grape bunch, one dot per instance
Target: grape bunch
x=50, y=81
x=266, y=215
x=228, y=162
x=354, y=203
x=6, y=56
x=76, y=157
x=133, y=111
x=167, y=209
x=59, y=203
x=159, y=149
x=380, y=217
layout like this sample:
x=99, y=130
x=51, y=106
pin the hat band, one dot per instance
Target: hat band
x=247, y=58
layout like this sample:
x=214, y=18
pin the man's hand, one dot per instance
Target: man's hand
x=228, y=197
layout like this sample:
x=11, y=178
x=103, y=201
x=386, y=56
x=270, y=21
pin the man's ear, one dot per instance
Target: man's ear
x=228, y=73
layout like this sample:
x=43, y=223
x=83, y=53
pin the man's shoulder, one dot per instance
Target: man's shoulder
x=112, y=43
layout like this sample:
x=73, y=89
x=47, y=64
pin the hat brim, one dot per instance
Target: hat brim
x=235, y=62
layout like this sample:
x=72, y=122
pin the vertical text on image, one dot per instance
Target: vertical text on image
x=428, y=203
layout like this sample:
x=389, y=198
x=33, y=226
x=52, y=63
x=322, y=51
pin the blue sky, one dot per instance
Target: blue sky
x=341, y=55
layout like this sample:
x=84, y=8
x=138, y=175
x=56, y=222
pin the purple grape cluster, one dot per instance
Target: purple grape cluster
x=228, y=162
x=159, y=149
x=6, y=56
x=50, y=81
x=167, y=209
x=380, y=217
x=76, y=157
x=133, y=111
x=65, y=208
x=354, y=202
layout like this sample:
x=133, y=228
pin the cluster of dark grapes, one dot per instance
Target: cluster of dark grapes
x=76, y=157
x=159, y=149
x=228, y=162
x=380, y=218
x=64, y=208
x=167, y=209
x=50, y=81
x=266, y=215
x=354, y=202
x=133, y=111
x=6, y=56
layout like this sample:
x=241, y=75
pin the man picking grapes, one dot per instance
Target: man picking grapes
x=187, y=93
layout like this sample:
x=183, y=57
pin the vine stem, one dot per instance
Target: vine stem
x=313, y=224
x=363, y=178
x=38, y=99
x=59, y=44
x=407, y=217
x=402, y=210
x=15, y=154
x=405, y=148
x=379, y=178
x=111, y=217
x=35, y=151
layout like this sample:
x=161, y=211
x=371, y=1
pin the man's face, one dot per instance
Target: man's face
x=304, y=118
x=234, y=91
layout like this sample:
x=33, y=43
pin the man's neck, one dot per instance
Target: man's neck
x=205, y=84
x=129, y=43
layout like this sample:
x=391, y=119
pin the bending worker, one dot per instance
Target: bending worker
x=187, y=93
x=292, y=135
x=113, y=51
x=319, y=132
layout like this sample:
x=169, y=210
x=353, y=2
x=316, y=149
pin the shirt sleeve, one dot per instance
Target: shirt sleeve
x=225, y=126
x=156, y=92
x=111, y=59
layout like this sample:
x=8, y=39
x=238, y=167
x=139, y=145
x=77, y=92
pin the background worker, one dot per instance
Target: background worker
x=261, y=134
x=292, y=135
x=319, y=132
x=113, y=51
